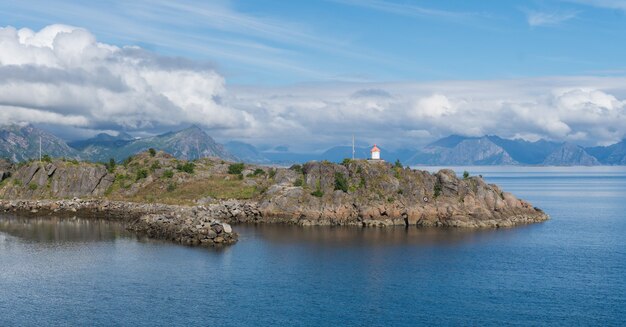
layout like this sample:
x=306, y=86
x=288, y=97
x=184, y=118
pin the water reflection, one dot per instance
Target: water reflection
x=355, y=236
x=55, y=229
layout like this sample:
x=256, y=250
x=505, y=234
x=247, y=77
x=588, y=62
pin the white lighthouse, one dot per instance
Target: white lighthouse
x=375, y=153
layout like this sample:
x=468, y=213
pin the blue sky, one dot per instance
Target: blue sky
x=310, y=74
x=281, y=42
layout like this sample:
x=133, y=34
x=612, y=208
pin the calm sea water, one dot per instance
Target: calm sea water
x=568, y=271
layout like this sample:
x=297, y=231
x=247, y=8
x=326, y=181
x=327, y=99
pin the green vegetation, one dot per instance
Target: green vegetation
x=155, y=165
x=398, y=164
x=110, y=166
x=46, y=158
x=32, y=186
x=141, y=174
x=466, y=174
x=152, y=152
x=188, y=167
x=437, y=189
x=17, y=182
x=168, y=173
x=346, y=161
x=272, y=172
x=258, y=172
x=318, y=190
x=127, y=161
x=298, y=182
x=297, y=168
x=171, y=187
x=236, y=168
x=340, y=182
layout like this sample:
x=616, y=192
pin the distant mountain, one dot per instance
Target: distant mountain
x=21, y=143
x=457, y=150
x=522, y=151
x=104, y=140
x=191, y=143
x=246, y=152
x=610, y=155
x=570, y=154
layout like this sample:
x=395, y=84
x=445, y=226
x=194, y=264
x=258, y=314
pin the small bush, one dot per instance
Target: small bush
x=398, y=164
x=46, y=158
x=437, y=189
x=466, y=174
x=127, y=161
x=317, y=193
x=32, y=186
x=236, y=168
x=110, y=165
x=171, y=187
x=17, y=182
x=346, y=161
x=168, y=173
x=155, y=165
x=152, y=152
x=240, y=176
x=297, y=168
x=340, y=182
x=188, y=167
x=141, y=174
x=259, y=171
x=272, y=172
x=298, y=182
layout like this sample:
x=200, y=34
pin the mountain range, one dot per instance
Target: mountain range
x=21, y=142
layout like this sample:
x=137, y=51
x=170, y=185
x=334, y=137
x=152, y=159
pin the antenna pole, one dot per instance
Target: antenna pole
x=352, y=146
x=40, y=149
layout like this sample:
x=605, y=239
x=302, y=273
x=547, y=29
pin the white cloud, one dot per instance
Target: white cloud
x=536, y=18
x=62, y=76
x=64, y=72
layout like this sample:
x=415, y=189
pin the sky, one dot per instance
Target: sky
x=310, y=74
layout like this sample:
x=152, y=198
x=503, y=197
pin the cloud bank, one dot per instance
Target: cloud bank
x=61, y=76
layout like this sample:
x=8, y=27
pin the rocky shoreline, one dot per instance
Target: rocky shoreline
x=194, y=226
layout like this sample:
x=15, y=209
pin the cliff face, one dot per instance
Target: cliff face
x=380, y=194
x=357, y=192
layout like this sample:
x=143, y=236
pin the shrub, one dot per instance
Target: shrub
x=171, y=187
x=236, y=168
x=155, y=165
x=298, y=182
x=437, y=189
x=466, y=174
x=317, y=193
x=259, y=171
x=296, y=167
x=32, y=186
x=272, y=172
x=46, y=158
x=240, y=176
x=168, y=173
x=141, y=173
x=340, y=182
x=346, y=161
x=127, y=161
x=17, y=182
x=188, y=167
x=152, y=152
x=398, y=164
x=110, y=165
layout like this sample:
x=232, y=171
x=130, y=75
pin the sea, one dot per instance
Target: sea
x=567, y=271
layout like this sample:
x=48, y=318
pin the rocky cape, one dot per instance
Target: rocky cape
x=161, y=195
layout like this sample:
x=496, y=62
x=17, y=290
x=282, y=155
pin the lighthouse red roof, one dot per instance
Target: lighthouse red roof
x=375, y=149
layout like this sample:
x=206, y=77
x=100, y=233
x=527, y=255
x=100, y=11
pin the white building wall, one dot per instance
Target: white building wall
x=375, y=155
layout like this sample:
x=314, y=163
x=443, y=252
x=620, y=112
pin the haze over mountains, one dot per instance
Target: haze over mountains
x=21, y=142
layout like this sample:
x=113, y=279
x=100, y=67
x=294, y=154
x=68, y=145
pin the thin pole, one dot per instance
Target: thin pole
x=352, y=146
x=40, y=149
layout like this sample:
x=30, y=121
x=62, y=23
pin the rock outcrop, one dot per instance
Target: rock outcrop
x=357, y=192
x=194, y=226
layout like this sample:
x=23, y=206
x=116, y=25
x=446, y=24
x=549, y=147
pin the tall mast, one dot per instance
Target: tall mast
x=40, y=149
x=352, y=146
